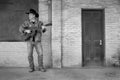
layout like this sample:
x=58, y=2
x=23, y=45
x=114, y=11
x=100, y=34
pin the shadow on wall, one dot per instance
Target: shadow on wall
x=12, y=15
x=115, y=59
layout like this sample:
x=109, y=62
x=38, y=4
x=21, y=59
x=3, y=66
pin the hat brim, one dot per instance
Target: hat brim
x=27, y=12
x=36, y=14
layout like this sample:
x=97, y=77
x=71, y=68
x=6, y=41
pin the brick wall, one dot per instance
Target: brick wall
x=46, y=38
x=13, y=54
x=71, y=29
x=56, y=33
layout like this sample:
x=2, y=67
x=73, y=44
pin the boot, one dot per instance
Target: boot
x=31, y=70
x=31, y=63
x=40, y=64
x=42, y=69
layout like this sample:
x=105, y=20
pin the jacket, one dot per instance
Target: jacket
x=37, y=37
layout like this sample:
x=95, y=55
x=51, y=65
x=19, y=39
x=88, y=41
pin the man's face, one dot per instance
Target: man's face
x=31, y=16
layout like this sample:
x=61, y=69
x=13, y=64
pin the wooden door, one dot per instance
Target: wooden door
x=93, y=37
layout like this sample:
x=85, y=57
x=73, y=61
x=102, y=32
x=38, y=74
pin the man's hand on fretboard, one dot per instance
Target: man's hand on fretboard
x=44, y=27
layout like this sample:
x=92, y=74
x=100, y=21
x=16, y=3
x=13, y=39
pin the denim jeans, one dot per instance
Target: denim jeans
x=39, y=50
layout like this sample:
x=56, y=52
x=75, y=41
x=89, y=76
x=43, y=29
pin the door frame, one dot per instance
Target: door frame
x=103, y=33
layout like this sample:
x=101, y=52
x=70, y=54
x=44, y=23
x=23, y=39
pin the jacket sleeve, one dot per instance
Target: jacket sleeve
x=42, y=27
x=21, y=28
x=40, y=24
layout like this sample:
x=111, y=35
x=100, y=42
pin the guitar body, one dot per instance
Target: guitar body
x=33, y=31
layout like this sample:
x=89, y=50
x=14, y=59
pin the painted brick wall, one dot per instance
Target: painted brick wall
x=71, y=29
x=46, y=38
x=13, y=54
x=56, y=33
x=71, y=32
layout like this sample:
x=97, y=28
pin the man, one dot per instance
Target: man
x=33, y=41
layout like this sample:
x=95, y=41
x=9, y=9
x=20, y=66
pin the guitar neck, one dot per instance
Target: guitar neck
x=49, y=24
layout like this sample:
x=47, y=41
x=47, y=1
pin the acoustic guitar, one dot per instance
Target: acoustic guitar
x=33, y=31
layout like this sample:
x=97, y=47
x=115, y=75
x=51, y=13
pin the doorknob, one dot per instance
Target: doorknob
x=100, y=42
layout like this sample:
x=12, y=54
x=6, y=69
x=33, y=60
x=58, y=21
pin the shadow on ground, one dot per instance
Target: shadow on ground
x=61, y=74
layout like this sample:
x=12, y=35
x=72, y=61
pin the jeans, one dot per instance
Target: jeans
x=39, y=50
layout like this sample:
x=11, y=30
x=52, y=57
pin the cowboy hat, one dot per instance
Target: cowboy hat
x=33, y=12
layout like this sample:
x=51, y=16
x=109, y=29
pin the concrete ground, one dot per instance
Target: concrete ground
x=61, y=74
